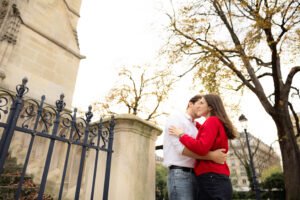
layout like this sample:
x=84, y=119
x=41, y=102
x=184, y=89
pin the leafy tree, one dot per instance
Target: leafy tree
x=246, y=43
x=161, y=183
x=269, y=171
x=275, y=181
x=140, y=90
x=274, y=184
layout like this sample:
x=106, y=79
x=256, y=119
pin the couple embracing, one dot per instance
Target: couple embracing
x=195, y=153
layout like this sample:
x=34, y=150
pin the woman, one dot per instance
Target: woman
x=212, y=178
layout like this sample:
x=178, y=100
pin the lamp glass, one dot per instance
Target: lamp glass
x=244, y=121
x=244, y=124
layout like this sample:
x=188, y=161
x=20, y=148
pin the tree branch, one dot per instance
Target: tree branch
x=244, y=58
x=249, y=80
x=297, y=91
x=290, y=77
x=286, y=19
x=220, y=55
x=189, y=70
x=260, y=61
x=150, y=116
x=296, y=119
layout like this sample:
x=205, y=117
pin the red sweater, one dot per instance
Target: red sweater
x=211, y=136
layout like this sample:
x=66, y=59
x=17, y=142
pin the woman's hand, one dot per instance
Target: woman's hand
x=175, y=131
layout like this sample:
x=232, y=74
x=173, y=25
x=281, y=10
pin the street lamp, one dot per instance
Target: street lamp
x=244, y=121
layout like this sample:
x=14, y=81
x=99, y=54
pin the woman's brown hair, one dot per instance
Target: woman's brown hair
x=218, y=110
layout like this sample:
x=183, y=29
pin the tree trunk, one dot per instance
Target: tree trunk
x=290, y=155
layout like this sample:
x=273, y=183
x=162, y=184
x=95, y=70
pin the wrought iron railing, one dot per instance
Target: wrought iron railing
x=55, y=123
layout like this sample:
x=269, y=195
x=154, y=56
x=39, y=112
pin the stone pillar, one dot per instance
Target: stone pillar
x=133, y=161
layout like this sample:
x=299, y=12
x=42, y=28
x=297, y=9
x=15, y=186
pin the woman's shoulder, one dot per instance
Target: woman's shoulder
x=213, y=119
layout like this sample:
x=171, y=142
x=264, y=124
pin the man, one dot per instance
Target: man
x=180, y=161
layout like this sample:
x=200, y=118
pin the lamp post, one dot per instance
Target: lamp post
x=243, y=121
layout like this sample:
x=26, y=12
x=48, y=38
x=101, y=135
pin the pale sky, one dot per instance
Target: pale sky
x=115, y=33
x=112, y=34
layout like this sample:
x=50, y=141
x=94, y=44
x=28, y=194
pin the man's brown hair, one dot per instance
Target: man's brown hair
x=194, y=99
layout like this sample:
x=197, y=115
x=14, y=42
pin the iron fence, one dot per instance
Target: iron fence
x=56, y=124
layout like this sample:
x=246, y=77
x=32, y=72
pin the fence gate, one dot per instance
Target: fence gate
x=35, y=120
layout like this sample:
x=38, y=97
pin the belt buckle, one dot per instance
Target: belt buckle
x=188, y=170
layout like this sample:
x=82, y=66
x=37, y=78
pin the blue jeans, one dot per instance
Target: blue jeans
x=181, y=185
x=212, y=186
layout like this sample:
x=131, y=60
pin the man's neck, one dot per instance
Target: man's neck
x=188, y=113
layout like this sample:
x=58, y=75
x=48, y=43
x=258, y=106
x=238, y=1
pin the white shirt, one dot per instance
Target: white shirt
x=172, y=147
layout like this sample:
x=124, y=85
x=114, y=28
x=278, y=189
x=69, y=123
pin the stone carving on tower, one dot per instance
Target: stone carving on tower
x=10, y=21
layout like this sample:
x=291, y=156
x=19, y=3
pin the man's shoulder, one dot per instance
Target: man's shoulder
x=175, y=119
x=176, y=115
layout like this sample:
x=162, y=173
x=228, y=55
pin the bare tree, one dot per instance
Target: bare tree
x=140, y=90
x=247, y=43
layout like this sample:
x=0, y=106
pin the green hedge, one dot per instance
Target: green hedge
x=271, y=195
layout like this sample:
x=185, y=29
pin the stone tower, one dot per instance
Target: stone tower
x=38, y=39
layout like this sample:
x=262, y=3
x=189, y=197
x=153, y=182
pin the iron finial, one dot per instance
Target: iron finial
x=22, y=88
x=89, y=114
x=60, y=104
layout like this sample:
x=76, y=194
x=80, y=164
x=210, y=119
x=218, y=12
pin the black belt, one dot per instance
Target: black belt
x=185, y=169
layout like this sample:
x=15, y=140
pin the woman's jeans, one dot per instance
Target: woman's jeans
x=214, y=186
x=181, y=185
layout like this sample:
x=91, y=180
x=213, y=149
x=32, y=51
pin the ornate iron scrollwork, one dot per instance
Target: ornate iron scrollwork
x=29, y=113
x=79, y=128
x=104, y=137
x=47, y=118
x=66, y=124
x=93, y=133
x=5, y=99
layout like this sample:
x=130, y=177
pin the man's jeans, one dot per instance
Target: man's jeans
x=181, y=185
